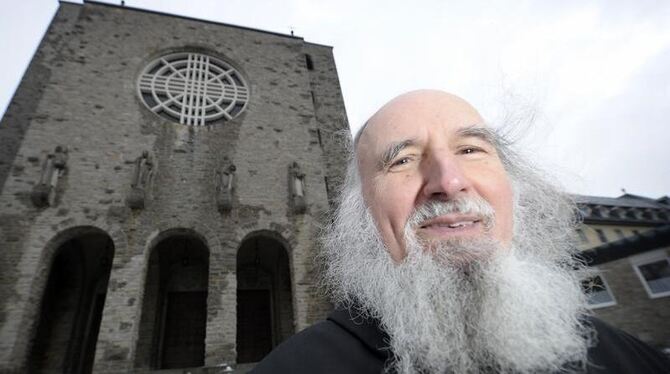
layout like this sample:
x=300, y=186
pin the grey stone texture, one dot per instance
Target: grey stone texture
x=80, y=92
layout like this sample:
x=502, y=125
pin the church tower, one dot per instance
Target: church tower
x=162, y=183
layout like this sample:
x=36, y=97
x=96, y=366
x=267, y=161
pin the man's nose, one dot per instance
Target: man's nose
x=444, y=178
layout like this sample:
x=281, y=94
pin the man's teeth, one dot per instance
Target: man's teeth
x=456, y=224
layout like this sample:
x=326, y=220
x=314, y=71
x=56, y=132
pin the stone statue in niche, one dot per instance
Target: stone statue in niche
x=224, y=195
x=297, y=188
x=53, y=168
x=140, y=179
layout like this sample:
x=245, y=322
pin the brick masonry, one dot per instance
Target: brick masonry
x=80, y=92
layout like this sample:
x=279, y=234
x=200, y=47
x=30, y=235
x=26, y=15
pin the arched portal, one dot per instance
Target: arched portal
x=174, y=313
x=264, y=306
x=72, y=305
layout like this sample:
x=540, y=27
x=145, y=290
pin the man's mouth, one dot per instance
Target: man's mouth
x=451, y=224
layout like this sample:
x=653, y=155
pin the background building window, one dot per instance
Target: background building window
x=598, y=292
x=601, y=235
x=654, y=272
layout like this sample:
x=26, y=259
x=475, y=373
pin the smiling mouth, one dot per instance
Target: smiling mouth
x=451, y=224
x=454, y=225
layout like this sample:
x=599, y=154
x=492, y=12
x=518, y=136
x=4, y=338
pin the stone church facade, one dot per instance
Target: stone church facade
x=162, y=181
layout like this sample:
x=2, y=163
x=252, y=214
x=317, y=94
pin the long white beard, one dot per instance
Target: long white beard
x=506, y=314
x=516, y=310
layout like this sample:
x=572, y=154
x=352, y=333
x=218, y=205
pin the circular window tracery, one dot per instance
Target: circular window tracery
x=193, y=89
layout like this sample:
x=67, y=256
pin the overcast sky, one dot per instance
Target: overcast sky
x=586, y=83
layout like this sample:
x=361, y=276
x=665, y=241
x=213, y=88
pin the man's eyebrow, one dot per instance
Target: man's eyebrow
x=481, y=132
x=392, y=152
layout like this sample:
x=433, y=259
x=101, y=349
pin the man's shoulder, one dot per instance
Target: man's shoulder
x=615, y=351
x=325, y=347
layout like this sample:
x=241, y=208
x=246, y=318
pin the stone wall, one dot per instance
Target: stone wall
x=80, y=92
x=333, y=130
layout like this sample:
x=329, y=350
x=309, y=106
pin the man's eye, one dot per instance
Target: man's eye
x=470, y=150
x=401, y=161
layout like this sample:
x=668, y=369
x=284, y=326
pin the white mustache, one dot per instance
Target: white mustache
x=467, y=206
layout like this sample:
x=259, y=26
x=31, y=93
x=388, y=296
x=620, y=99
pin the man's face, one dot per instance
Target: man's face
x=423, y=146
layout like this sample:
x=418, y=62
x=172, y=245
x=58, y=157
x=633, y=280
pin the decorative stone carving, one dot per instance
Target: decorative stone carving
x=193, y=89
x=297, y=189
x=44, y=193
x=224, y=193
x=140, y=180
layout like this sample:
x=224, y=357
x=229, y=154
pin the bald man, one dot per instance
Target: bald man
x=449, y=254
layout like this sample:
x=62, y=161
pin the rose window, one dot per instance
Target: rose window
x=193, y=89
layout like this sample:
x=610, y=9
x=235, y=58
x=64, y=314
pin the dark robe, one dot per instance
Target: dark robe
x=342, y=344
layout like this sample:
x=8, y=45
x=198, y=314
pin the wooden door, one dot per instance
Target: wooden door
x=184, y=330
x=254, y=325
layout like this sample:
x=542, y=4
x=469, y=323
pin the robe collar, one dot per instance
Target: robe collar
x=367, y=330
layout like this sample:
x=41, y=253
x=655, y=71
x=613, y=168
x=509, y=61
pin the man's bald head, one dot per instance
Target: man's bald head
x=409, y=100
